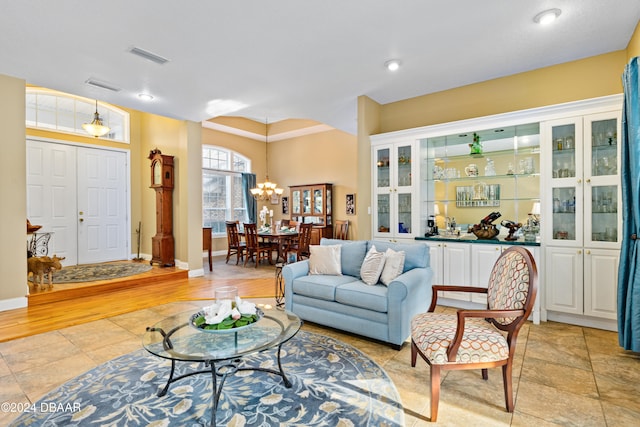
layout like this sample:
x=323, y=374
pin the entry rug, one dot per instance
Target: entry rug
x=334, y=384
x=93, y=272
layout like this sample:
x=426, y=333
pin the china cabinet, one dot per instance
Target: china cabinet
x=583, y=213
x=312, y=203
x=394, y=201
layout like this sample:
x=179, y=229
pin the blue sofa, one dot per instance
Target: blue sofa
x=345, y=302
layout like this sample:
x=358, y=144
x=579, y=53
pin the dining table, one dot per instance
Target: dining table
x=282, y=238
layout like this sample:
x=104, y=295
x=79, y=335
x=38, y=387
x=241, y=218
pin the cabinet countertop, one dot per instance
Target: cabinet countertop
x=473, y=239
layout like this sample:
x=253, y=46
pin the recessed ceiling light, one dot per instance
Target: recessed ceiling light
x=547, y=16
x=392, y=64
x=145, y=96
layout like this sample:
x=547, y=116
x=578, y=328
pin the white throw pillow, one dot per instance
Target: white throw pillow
x=393, y=265
x=325, y=260
x=372, y=266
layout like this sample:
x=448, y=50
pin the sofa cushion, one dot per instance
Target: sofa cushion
x=319, y=286
x=359, y=294
x=325, y=260
x=372, y=266
x=352, y=254
x=416, y=254
x=393, y=265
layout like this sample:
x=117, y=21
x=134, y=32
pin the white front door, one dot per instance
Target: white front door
x=102, y=205
x=51, y=195
x=80, y=194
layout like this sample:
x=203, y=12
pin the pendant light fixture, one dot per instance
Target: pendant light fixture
x=96, y=128
x=264, y=190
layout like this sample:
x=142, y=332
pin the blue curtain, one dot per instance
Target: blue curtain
x=629, y=268
x=249, y=182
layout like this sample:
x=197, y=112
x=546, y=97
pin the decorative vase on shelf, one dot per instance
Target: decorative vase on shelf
x=476, y=146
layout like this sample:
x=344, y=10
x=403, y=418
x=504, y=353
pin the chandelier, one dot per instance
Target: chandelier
x=96, y=128
x=264, y=190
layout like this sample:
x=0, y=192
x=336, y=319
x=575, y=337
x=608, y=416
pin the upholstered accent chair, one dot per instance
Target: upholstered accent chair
x=478, y=339
x=234, y=244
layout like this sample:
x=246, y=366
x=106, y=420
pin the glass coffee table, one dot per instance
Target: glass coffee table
x=176, y=339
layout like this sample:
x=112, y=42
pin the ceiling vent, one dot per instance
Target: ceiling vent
x=148, y=55
x=102, y=85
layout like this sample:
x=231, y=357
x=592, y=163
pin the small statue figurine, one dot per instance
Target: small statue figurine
x=476, y=146
x=513, y=227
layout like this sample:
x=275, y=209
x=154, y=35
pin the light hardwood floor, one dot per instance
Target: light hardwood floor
x=564, y=375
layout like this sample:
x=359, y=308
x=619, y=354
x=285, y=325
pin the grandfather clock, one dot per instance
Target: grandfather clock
x=162, y=181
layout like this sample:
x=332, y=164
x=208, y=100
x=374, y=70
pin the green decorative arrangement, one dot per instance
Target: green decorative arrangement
x=198, y=320
x=229, y=313
x=476, y=146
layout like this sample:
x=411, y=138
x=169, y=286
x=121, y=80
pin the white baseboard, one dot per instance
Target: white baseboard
x=586, y=321
x=198, y=272
x=13, y=303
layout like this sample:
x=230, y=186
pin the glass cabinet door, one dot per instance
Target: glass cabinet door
x=317, y=201
x=602, y=202
x=564, y=150
x=564, y=213
x=564, y=218
x=604, y=147
x=384, y=213
x=306, y=201
x=295, y=202
x=382, y=168
x=403, y=169
x=404, y=213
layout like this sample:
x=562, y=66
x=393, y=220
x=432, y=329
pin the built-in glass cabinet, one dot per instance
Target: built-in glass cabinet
x=394, y=191
x=584, y=182
x=466, y=176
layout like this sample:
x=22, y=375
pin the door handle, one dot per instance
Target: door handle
x=81, y=219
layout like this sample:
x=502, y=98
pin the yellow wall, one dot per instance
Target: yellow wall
x=572, y=81
x=633, y=48
x=329, y=157
x=13, y=183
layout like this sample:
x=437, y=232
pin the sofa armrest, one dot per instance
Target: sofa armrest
x=290, y=272
x=409, y=294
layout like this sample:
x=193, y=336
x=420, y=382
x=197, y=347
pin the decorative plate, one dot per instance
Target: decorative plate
x=195, y=323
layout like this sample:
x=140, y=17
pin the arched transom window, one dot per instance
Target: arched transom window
x=61, y=112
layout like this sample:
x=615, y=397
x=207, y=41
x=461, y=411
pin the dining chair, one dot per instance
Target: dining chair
x=301, y=245
x=478, y=339
x=255, y=249
x=341, y=229
x=206, y=245
x=234, y=244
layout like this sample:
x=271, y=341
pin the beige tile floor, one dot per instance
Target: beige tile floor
x=564, y=375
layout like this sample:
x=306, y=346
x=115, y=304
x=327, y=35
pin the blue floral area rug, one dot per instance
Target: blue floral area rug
x=334, y=384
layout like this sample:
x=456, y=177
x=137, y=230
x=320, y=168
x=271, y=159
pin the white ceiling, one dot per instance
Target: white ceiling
x=291, y=58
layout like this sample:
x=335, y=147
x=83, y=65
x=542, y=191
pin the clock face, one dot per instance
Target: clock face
x=157, y=173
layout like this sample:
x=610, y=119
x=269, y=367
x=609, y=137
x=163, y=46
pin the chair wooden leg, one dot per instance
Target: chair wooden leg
x=228, y=255
x=414, y=353
x=485, y=374
x=435, y=391
x=508, y=388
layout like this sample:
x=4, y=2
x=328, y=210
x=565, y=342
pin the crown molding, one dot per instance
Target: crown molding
x=272, y=137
